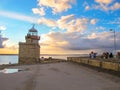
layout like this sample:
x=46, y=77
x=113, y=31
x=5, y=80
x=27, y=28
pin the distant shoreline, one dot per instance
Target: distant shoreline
x=86, y=55
x=49, y=54
x=8, y=54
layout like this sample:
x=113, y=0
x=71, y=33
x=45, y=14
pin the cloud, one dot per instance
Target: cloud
x=115, y=6
x=93, y=21
x=78, y=25
x=103, y=5
x=39, y=11
x=87, y=7
x=92, y=36
x=104, y=1
x=69, y=23
x=2, y=41
x=77, y=41
x=2, y=27
x=8, y=51
x=100, y=28
x=106, y=5
x=72, y=24
x=57, y=6
x=18, y=16
x=62, y=22
x=12, y=46
x=116, y=21
x=48, y=22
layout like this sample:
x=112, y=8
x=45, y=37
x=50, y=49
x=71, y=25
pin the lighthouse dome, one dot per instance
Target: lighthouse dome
x=33, y=29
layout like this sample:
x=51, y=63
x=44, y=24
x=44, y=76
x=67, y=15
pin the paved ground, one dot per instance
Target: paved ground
x=58, y=76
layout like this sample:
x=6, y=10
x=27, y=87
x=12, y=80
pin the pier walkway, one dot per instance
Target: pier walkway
x=58, y=76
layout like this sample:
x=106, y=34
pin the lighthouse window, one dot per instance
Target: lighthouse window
x=32, y=33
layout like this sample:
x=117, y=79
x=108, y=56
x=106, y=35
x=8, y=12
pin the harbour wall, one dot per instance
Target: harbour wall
x=100, y=64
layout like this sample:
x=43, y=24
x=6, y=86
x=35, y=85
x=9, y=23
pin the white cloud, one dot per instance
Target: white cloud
x=2, y=27
x=103, y=5
x=106, y=5
x=93, y=21
x=18, y=16
x=78, y=25
x=68, y=23
x=66, y=18
x=57, y=5
x=87, y=7
x=115, y=6
x=48, y=22
x=104, y=1
x=71, y=24
x=39, y=11
x=100, y=28
x=62, y=22
x=92, y=36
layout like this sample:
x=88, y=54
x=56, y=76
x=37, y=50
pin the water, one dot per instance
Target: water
x=13, y=59
x=9, y=70
x=8, y=59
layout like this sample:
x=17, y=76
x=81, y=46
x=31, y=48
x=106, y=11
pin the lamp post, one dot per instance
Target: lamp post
x=114, y=40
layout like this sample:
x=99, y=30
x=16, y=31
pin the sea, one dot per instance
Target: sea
x=13, y=59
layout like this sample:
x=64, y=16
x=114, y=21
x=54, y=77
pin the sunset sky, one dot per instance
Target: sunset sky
x=65, y=26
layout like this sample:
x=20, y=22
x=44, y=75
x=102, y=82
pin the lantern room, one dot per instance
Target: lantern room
x=32, y=36
x=33, y=31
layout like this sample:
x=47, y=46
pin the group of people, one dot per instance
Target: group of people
x=107, y=55
x=92, y=54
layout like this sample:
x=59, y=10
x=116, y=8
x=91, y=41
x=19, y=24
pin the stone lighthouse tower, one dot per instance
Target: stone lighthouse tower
x=29, y=51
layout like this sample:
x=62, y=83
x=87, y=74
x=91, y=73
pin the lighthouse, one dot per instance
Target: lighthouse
x=29, y=51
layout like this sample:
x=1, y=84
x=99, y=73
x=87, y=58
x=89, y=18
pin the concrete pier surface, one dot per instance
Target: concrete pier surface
x=57, y=76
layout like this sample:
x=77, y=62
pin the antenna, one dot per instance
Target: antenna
x=33, y=25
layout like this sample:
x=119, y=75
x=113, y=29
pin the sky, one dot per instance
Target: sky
x=65, y=26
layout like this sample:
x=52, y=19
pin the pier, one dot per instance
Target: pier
x=61, y=75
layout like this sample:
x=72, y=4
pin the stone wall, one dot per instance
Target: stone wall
x=109, y=65
x=23, y=60
x=28, y=53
